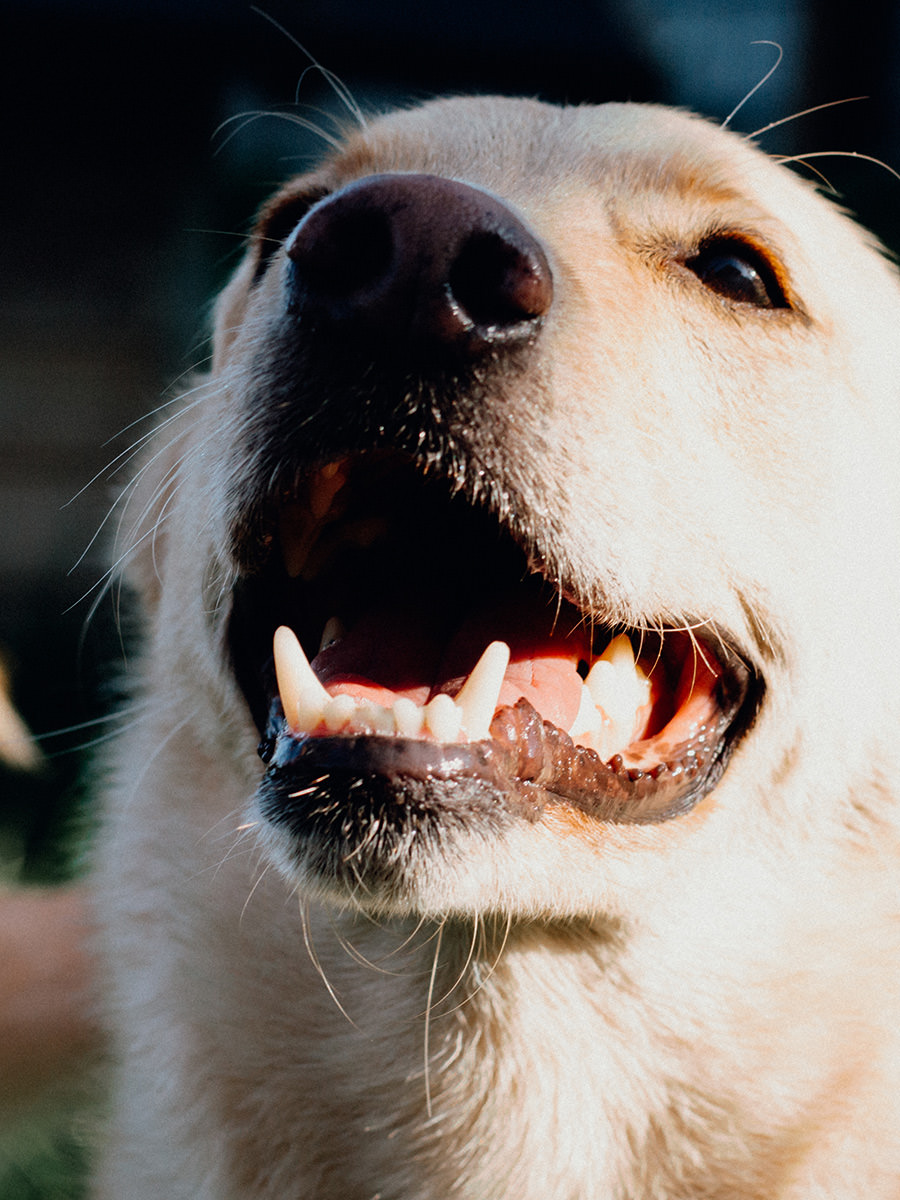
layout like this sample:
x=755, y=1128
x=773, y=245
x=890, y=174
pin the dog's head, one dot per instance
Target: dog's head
x=557, y=441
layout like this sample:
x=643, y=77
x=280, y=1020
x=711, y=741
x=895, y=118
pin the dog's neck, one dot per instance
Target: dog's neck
x=457, y=1066
x=451, y=1062
x=547, y=1061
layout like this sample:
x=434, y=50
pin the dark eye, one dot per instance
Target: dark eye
x=738, y=271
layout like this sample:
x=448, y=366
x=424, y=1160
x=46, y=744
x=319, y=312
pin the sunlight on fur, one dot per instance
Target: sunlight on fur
x=609, y=912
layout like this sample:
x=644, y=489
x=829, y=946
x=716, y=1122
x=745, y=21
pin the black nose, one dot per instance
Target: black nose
x=421, y=262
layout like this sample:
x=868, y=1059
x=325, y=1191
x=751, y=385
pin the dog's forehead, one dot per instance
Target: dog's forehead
x=637, y=172
x=524, y=145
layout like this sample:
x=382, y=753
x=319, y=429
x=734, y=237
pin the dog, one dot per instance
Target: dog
x=511, y=807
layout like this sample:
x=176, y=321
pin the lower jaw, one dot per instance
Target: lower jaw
x=522, y=761
x=524, y=766
x=398, y=825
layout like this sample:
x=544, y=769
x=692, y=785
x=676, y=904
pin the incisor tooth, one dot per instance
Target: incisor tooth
x=302, y=696
x=478, y=696
x=443, y=718
x=373, y=717
x=338, y=712
x=408, y=717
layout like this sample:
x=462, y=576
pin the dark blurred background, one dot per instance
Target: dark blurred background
x=124, y=194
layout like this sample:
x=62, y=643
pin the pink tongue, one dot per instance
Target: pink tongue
x=388, y=653
x=394, y=653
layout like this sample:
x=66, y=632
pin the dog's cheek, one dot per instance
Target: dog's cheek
x=143, y=535
x=230, y=311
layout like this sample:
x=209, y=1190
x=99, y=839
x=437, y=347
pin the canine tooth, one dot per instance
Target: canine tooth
x=443, y=718
x=478, y=696
x=338, y=712
x=619, y=651
x=333, y=632
x=408, y=717
x=302, y=696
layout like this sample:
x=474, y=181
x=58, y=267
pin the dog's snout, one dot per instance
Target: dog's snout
x=421, y=261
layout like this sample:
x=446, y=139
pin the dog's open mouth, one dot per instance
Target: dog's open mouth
x=412, y=642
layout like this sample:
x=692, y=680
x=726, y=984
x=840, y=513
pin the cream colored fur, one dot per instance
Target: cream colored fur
x=702, y=1008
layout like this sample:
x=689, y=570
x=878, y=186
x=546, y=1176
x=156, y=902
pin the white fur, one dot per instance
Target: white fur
x=706, y=1007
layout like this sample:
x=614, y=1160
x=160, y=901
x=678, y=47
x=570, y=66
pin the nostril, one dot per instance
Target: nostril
x=348, y=251
x=498, y=284
x=419, y=261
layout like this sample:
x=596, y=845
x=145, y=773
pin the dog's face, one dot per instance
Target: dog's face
x=559, y=442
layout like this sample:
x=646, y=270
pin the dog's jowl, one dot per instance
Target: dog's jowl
x=512, y=809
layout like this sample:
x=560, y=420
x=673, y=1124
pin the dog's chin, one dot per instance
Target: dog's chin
x=461, y=699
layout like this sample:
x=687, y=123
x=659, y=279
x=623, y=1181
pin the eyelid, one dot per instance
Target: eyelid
x=741, y=248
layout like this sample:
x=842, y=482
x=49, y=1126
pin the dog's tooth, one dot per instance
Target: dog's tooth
x=338, y=711
x=620, y=651
x=442, y=718
x=409, y=717
x=618, y=686
x=333, y=632
x=374, y=717
x=589, y=718
x=478, y=696
x=302, y=696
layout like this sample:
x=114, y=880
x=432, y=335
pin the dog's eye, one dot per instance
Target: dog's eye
x=738, y=271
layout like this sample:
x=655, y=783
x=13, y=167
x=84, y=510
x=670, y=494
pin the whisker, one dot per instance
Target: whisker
x=260, y=877
x=314, y=959
x=805, y=112
x=127, y=455
x=768, y=75
x=427, y=1033
x=339, y=88
x=478, y=934
x=120, y=712
x=869, y=158
x=249, y=118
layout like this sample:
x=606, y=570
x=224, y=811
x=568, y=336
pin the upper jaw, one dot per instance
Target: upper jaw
x=422, y=583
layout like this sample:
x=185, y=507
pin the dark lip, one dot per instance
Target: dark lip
x=526, y=764
x=362, y=814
